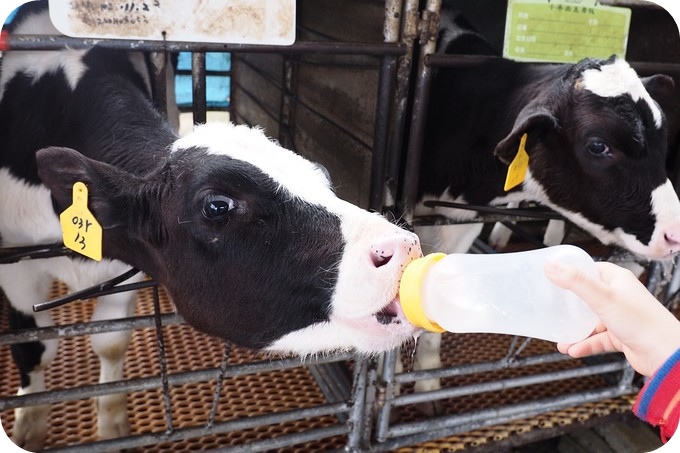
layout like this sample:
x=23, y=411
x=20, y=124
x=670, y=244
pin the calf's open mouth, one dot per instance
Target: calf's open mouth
x=391, y=313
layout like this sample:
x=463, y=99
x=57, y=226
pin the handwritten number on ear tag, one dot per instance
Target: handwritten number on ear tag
x=81, y=231
x=518, y=167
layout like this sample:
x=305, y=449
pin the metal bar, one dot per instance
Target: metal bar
x=466, y=61
x=57, y=42
x=386, y=394
x=542, y=378
x=356, y=413
x=163, y=359
x=421, y=95
x=522, y=235
x=537, y=212
x=392, y=23
x=208, y=72
x=286, y=120
x=370, y=402
x=108, y=287
x=159, y=63
x=199, y=431
x=486, y=218
x=433, y=428
x=380, y=130
x=86, y=328
x=226, y=352
x=14, y=254
x=409, y=33
x=149, y=383
x=198, y=89
x=287, y=440
x=482, y=367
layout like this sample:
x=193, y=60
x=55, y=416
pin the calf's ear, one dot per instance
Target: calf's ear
x=533, y=120
x=119, y=201
x=660, y=86
x=108, y=187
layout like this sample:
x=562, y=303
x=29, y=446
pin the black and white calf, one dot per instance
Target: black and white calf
x=596, y=138
x=249, y=239
x=596, y=141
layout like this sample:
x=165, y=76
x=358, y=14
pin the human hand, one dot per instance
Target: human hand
x=631, y=319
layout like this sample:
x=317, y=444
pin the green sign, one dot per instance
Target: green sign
x=564, y=31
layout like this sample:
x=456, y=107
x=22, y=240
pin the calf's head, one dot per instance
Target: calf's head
x=250, y=241
x=597, y=143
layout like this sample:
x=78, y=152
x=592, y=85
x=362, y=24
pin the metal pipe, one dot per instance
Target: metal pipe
x=149, y=383
x=15, y=254
x=483, y=367
x=380, y=130
x=57, y=42
x=356, y=413
x=163, y=360
x=106, y=287
x=199, y=431
x=86, y=328
x=466, y=61
x=409, y=33
x=288, y=92
x=386, y=394
x=433, y=428
x=392, y=23
x=287, y=440
x=414, y=152
x=198, y=88
x=503, y=384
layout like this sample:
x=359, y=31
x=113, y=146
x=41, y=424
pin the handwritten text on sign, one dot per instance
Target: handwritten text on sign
x=222, y=21
x=564, y=31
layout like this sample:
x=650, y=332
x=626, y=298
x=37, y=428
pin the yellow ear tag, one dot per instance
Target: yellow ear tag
x=81, y=231
x=518, y=167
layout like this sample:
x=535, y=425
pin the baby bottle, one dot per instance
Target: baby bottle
x=504, y=293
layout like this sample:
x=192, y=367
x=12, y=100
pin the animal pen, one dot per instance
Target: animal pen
x=350, y=93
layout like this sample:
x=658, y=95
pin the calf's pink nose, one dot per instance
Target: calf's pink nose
x=401, y=247
x=672, y=238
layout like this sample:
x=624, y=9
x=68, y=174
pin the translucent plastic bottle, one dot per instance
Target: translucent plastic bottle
x=504, y=293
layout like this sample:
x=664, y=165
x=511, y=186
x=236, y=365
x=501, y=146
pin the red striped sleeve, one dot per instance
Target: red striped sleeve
x=658, y=403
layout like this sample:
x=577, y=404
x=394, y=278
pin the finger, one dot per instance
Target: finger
x=564, y=347
x=592, y=290
x=596, y=344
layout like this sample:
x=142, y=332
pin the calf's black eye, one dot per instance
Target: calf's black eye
x=598, y=148
x=217, y=207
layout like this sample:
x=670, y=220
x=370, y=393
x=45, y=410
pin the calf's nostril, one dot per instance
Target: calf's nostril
x=672, y=238
x=380, y=257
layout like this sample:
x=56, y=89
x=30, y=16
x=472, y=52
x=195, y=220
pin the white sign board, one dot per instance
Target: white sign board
x=215, y=21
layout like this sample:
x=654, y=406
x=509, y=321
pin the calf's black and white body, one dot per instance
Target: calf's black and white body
x=596, y=140
x=249, y=239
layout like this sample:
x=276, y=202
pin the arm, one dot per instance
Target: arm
x=634, y=322
x=658, y=403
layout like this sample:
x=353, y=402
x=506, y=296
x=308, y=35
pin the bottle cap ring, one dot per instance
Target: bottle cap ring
x=409, y=292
